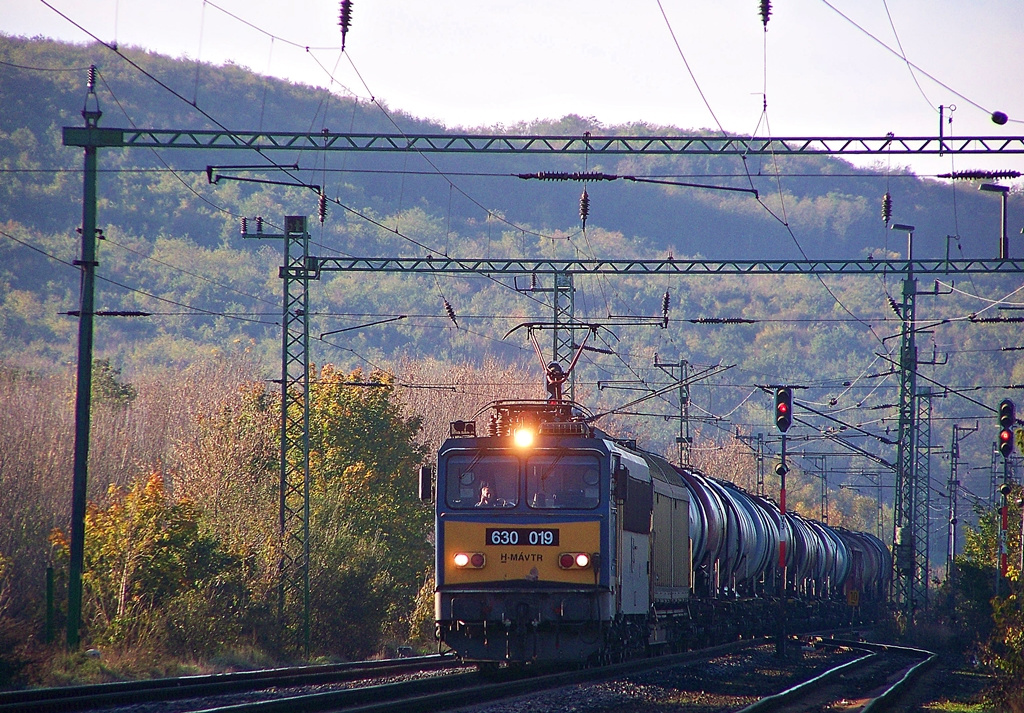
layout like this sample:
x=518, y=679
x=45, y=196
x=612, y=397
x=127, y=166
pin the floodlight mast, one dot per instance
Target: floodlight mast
x=1004, y=240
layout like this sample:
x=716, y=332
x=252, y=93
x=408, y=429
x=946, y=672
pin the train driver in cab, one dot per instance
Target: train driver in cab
x=487, y=499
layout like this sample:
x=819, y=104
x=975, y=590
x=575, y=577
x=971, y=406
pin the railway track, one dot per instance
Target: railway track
x=425, y=694
x=457, y=691
x=868, y=684
x=90, y=697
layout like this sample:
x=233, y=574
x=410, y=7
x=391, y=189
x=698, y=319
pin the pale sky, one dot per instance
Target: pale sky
x=469, y=63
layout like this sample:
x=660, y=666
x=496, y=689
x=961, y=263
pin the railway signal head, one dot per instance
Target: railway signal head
x=1006, y=442
x=1007, y=417
x=1007, y=413
x=783, y=408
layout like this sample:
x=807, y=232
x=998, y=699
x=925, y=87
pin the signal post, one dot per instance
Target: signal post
x=783, y=420
x=1007, y=418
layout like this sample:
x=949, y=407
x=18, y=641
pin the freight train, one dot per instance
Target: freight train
x=555, y=542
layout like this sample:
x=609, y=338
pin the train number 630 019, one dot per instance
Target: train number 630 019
x=534, y=536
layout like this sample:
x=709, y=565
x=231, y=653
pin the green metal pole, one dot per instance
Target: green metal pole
x=84, y=384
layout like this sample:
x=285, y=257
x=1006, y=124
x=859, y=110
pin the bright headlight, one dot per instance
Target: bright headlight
x=523, y=437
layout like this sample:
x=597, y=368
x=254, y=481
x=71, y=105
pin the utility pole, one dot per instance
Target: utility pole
x=293, y=518
x=903, y=531
x=563, y=327
x=760, y=465
x=953, y=488
x=824, y=487
x=909, y=589
x=781, y=469
x=683, y=440
x=921, y=494
x=563, y=300
x=83, y=388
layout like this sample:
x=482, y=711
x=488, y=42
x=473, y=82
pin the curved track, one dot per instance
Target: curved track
x=868, y=684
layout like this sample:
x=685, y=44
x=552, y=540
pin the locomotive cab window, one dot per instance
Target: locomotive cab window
x=480, y=481
x=563, y=482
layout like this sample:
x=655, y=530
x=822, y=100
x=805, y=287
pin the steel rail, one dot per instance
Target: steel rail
x=877, y=704
x=83, y=697
x=426, y=696
x=889, y=697
x=769, y=703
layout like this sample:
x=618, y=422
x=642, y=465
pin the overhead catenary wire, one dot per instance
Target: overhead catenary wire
x=139, y=291
x=910, y=64
x=271, y=164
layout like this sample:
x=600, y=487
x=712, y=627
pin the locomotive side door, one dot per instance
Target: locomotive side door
x=636, y=502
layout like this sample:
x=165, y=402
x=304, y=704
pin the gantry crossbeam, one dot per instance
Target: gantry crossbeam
x=663, y=267
x=512, y=144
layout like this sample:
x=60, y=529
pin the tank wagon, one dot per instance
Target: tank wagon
x=555, y=542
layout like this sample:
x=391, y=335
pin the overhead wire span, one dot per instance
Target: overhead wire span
x=997, y=116
x=437, y=170
x=136, y=290
x=784, y=219
x=188, y=272
x=903, y=54
x=271, y=163
x=991, y=302
x=156, y=154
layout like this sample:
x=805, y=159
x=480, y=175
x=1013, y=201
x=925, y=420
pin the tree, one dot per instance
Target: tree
x=369, y=532
x=107, y=388
x=144, y=551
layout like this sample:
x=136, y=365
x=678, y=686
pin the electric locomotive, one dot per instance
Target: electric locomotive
x=543, y=537
x=557, y=543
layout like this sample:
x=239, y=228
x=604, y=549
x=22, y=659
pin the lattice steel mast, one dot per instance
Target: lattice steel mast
x=293, y=523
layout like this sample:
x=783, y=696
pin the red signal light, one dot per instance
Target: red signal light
x=1006, y=442
x=783, y=408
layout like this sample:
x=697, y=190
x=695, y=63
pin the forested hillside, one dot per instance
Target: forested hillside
x=172, y=249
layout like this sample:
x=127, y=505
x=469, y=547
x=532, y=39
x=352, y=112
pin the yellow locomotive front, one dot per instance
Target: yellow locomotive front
x=523, y=517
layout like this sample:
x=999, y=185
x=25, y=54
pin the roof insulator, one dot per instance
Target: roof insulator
x=245, y=225
x=895, y=307
x=451, y=313
x=344, y=20
x=259, y=224
x=886, y=207
x=584, y=207
x=766, y=11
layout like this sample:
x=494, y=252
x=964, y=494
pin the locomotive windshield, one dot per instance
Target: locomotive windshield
x=553, y=482
x=565, y=481
x=482, y=481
